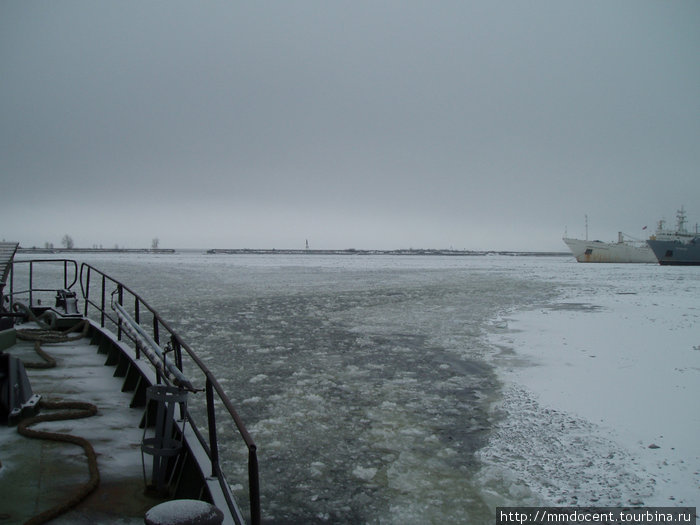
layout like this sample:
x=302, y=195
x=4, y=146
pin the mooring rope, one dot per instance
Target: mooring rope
x=48, y=334
x=40, y=336
x=73, y=410
x=49, y=361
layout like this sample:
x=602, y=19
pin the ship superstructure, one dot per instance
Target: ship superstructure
x=628, y=249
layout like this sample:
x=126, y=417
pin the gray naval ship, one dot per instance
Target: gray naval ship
x=684, y=251
x=677, y=252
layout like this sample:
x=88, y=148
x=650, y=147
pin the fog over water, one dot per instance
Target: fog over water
x=351, y=124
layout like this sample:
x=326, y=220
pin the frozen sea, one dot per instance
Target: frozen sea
x=427, y=389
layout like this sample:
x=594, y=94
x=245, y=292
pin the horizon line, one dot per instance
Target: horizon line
x=295, y=251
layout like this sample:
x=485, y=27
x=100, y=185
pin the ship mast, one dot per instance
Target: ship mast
x=681, y=218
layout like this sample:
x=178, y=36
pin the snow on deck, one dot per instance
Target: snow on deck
x=39, y=474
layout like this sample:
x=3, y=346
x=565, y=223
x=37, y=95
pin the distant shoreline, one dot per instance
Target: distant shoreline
x=273, y=251
x=351, y=251
x=95, y=250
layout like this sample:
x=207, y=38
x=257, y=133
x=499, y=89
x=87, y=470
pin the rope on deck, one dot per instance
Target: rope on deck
x=40, y=335
x=49, y=334
x=73, y=410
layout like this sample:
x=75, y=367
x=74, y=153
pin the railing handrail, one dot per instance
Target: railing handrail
x=212, y=384
x=253, y=478
x=195, y=358
x=32, y=289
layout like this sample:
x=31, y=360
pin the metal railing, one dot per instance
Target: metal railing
x=68, y=280
x=96, y=287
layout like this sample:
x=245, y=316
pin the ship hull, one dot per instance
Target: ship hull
x=676, y=253
x=606, y=252
x=103, y=353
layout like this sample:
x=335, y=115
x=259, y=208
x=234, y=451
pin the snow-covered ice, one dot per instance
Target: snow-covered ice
x=601, y=390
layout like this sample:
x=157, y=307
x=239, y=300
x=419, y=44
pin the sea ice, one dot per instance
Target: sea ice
x=593, y=380
x=364, y=473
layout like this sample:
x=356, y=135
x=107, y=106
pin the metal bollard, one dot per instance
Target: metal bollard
x=184, y=512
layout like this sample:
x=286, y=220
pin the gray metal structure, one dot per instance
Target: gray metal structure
x=107, y=362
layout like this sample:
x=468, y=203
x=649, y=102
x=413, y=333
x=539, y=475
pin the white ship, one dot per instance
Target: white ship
x=622, y=251
x=627, y=249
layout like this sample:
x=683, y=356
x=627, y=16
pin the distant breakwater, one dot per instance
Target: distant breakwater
x=410, y=251
x=274, y=251
x=95, y=250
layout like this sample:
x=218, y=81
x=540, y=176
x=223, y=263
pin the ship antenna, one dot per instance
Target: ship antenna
x=586, y=227
x=680, y=216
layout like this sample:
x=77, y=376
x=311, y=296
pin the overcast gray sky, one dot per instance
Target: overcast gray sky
x=353, y=124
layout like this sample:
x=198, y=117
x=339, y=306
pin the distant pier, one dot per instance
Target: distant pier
x=274, y=251
x=95, y=250
x=410, y=251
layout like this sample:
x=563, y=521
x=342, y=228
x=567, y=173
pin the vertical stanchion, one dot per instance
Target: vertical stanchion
x=138, y=321
x=211, y=419
x=31, y=283
x=120, y=299
x=253, y=485
x=87, y=291
x=102, y=309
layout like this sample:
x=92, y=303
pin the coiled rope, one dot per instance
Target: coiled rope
x=39, y=336
x=71, y=410
x=47, y=334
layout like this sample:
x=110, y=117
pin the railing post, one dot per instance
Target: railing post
x=31, y=283
x=156, y=335
x=102, y=309
x=12, y=283
x=211, y=420
x=120, y=299
x=87, y=291
x=254, y=486
x=178, y=352
x=136, y=318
